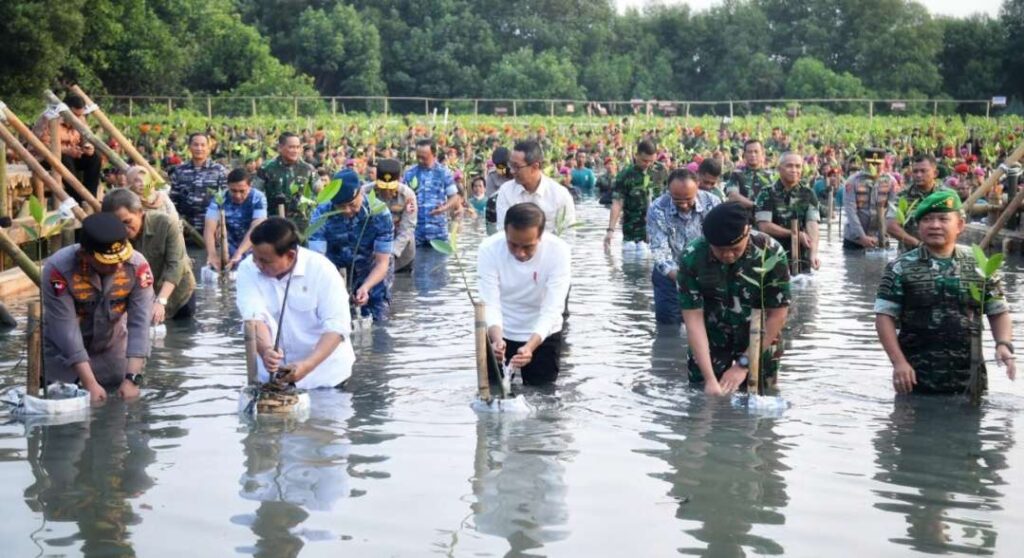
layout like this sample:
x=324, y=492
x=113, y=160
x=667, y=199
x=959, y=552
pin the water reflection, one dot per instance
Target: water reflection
x=519, y=480
x=87, y=473
x=943, y=465
x=292, y=467
x=430, y=270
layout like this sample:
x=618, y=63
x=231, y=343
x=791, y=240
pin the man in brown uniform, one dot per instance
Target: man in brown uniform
x=97, y=307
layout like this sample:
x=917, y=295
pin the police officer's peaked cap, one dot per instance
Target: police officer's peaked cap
x=726, y=224
x=873, y=155
x=106, y=238
x=349, y=186
x=390, y=171
x=500, y=156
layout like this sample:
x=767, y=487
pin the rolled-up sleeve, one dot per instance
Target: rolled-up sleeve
x=384, y=227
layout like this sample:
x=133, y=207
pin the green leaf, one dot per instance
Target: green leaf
x=51, y=220
x=979, y=256
x=975, y=293
x=318, y=224
x=771, y=262
x=376, y=206
x=36, y=209
x=993, y=265
x=30, y=231
x=442, y=246
x=329, y=191
x=749, y=280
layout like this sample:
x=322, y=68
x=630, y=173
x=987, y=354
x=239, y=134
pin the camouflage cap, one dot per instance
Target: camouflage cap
x=942, y=201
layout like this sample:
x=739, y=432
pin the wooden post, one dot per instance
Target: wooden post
x=253, y=100
x=54, y=147
x=334, y=106
x=476, y=107
x=993, y=179
x=131, y=107
x=794, y=239
x=170, y=107
x=35, y=349
x=77, y=124
x=386, y=107
x=515, y=113
x=426, y=107
x=871, y=109
x=295, y=107
x=730, y=109
x=224, y=271
x=1008, y=212
x=20, y=258
x=55, y=186
x=209, y=107
x=483, y=382
x=250, y=352
x=754, y=386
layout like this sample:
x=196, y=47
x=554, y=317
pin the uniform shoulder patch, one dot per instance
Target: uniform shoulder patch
x=57, y=282
x=144, y=275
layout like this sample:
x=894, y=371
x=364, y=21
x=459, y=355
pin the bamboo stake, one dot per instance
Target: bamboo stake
x=77, y=124
x=794, y=239
x=250, y=352
x=20, y=258
x=54, y=147
x=224, y=271
x=480, y=332
x=54, y=185
x=754, y=386
x=7, y=116
x=35, y=349
x=993, y=179
x=1004, y=217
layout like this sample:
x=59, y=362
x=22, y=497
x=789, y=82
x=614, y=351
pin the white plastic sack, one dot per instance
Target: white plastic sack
x=61, y=399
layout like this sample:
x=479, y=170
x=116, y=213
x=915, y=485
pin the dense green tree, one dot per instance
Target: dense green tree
x=522, y=74
x=1011, y=16
x=971, y=60
x=810, y=79
x=340, y=52
x=36, y=39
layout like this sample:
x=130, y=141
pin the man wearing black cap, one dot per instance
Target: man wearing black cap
x=401, y=200
x=718, y=287
x=358, y=239
x=97, y=307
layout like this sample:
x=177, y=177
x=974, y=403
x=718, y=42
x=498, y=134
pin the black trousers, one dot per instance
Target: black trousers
x=88, y=168
x=188, y=310
x=543, y=368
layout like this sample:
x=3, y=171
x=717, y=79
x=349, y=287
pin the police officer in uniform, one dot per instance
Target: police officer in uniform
x=97, y=306
x=930, y=303
x=359, y=240
x=401, y=200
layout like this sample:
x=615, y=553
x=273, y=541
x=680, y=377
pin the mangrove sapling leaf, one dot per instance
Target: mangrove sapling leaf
x=975, y=293
x=442, y=246
x=51, y=220
x=748, y=279
x=980, y=258
x=36, y=210
x=30, y=231
x=318, y=224
x=329, y=191
x=993, y=264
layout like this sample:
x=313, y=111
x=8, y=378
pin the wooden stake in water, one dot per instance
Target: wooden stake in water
x=754, y=386
x=883, y=234
x=831, y=209
x=250, y=352
x=224, y=271
x=35, y=349
x=480, y=334
x=975, y=387
x=794, y=237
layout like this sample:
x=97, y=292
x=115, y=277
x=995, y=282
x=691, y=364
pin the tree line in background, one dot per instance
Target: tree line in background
x=567, y=49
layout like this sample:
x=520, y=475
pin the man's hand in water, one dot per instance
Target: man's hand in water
x=293, y=372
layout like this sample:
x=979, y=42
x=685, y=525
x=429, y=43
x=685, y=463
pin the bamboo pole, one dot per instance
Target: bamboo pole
x=77, y=124
x=7, y=116
x=794, y=240
x=754, y=386
x=480, y=333
x=135, y=156
x=1004, y=217
x=993, y=178
x=54, y=185
x=54, y=147
x=250, y=352
x=224, y=271
x=20, y=258
x=34, y=378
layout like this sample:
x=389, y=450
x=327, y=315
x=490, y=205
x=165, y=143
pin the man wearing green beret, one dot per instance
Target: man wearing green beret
x=925, y=313
x=719, y=284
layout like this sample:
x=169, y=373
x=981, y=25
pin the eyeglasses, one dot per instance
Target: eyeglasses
x=517, y=168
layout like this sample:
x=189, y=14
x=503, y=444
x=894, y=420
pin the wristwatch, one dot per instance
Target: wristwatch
x=161, y=301
x=134, y=378
x=743, y=361
x=1007, y=344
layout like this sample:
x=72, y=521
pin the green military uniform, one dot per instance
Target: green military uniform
x=779, y=206
x=748, y=182
x=913, y=195
x=726, y=295
x=275, y=179
x=931, y=300
x=635, y=188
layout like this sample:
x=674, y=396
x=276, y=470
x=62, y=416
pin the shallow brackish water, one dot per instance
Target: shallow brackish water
x=621, y=457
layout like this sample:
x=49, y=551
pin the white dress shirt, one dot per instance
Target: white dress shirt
x=316, y=304
x=550, y=196
x=528, y=297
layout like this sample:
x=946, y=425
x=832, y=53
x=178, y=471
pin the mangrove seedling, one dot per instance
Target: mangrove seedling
x=44, y=227
x=987, y=268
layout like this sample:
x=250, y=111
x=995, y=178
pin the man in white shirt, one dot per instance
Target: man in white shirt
x=314, y=350
x=530, y=185
x=523, y=281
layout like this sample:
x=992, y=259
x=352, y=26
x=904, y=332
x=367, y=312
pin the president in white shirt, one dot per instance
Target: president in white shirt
x=316, y=323
x=530, y=185
x=524, y=278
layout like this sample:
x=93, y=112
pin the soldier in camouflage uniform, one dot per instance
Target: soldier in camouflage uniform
x=928, y=296
x=632, y=192
x=786, y=200
x=358, y=240
x=924, y=175
x=745, y=184
x=276, y=177
x=718, y=287
x=192, y=182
